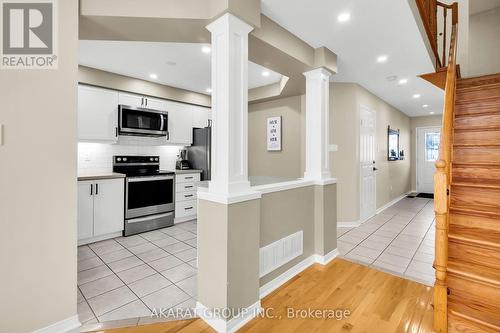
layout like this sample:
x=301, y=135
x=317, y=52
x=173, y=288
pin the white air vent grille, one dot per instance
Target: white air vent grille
x=280, y=252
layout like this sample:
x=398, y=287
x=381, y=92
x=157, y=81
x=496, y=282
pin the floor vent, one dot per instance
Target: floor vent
x=280, y=252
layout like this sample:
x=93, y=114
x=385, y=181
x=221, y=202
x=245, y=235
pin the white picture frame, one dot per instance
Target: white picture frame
x=274, y=133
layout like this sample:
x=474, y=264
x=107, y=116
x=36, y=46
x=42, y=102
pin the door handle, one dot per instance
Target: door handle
x=375, y=169
x=142, y=101
x=91, y=189
x=96, y=189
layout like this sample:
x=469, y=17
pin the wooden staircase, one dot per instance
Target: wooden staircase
x=473, y=268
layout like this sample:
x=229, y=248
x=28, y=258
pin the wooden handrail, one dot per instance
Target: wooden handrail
x=428, y=10
x=442, y=182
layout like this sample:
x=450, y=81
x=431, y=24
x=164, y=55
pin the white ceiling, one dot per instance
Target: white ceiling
x=478, y=6
x=382, y=27
x=181, y=65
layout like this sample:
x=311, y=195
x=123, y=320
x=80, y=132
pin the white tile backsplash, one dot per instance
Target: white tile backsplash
x=98, y=157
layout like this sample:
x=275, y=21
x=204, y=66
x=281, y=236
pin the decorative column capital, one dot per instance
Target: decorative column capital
x=229, y=22
x=320, y=72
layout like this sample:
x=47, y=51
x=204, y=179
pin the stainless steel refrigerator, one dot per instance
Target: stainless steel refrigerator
x=200, y=150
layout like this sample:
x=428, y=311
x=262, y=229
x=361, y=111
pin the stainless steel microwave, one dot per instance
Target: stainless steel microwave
x=142, y=122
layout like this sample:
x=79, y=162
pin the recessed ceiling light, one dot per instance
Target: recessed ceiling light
x=171, y=63
x=344, y=17
x=403, y=81
x=208, y=90
x=416, y=96
x=206, y=49
x=265, y=73
x=425, y=106
x=391, y=78
x=432, y=112
x=382, y=58
x=153, y=76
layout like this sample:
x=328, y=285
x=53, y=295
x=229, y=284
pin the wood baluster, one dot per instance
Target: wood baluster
x=441, y=244
x=445, y=13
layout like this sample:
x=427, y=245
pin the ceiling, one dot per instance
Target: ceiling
x=181, y=65
x=478, y=6
x=383, y=27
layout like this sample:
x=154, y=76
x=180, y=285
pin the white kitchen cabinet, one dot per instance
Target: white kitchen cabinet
x=100, y=209
x=97, y=114
x=85, y=210
x=186, y=203
x=200, y=116
x=140, y=101
x=180, y=123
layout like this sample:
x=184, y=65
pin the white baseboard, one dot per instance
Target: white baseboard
x=68, y=325
x=269, y=287
x=185, y=219
x=277, y=282
x=389, y=204
x=220, y=325
x=351, y=224
x=324, y=260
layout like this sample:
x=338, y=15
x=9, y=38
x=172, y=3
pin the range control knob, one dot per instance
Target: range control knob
x=124, y=159
x=119, y=159
x=151, y=159
x=156, y=159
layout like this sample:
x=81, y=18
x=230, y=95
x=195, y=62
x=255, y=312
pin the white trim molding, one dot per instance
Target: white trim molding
x=349, y=224
x=393, y=202
x=325, y=260
x=68, y=325
x=277, y=282
x=221, y=325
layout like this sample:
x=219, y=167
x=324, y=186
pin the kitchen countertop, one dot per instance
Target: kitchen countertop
x=97, y=175
x=180, y=172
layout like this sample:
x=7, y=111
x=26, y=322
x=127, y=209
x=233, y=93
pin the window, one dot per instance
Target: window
x=432, y=146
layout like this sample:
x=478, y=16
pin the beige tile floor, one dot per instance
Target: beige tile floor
x=399, y=240
x=128, y=277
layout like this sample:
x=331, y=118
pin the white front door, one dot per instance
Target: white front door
x=427, y=154
x=368, y=179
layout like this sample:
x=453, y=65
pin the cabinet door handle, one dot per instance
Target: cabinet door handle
x=188, y=195
x=188, y=208
x=168, y=135
x=142, y=101
x=189, y=177
x=116, y=131
x=96, y=189
x=146, y=101
x=190, y=186
x=91, y=189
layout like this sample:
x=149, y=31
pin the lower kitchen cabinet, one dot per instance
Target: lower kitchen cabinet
x=186, y=204
x=100, y=209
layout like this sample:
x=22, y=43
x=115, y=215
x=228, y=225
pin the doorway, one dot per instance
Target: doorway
x=427, y=153
x=368, y=169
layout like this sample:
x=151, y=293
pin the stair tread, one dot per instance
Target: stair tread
x=473, y=212
x=478, y=80
x=477, y=182
x=463, y=310
x=477, y=272
x=469, y=237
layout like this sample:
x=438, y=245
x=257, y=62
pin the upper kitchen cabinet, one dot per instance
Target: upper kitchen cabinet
x=97, y=114
x=201, y=116
x=142, y=102
x=180, y=123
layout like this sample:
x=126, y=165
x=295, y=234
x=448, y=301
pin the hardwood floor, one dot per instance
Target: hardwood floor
x=377, y=301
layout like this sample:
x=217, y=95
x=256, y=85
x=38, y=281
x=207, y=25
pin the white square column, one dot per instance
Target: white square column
x=230, y=107
x=317, y=125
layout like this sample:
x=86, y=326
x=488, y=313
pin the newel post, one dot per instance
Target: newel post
x=441, y=245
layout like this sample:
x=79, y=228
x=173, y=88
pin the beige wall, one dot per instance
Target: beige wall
x=415, y=122
x=282, y=214
x=393, y=178
x=484, y=43
x=105, y=79
x=284, y=163
x=38, y=188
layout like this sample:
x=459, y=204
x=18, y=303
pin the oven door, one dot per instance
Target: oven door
x=149, y=195
x=144, y=122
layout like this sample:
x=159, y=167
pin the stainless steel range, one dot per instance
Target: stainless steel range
x=149, y=193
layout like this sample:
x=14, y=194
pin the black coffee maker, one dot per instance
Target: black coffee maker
x=182, y=163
